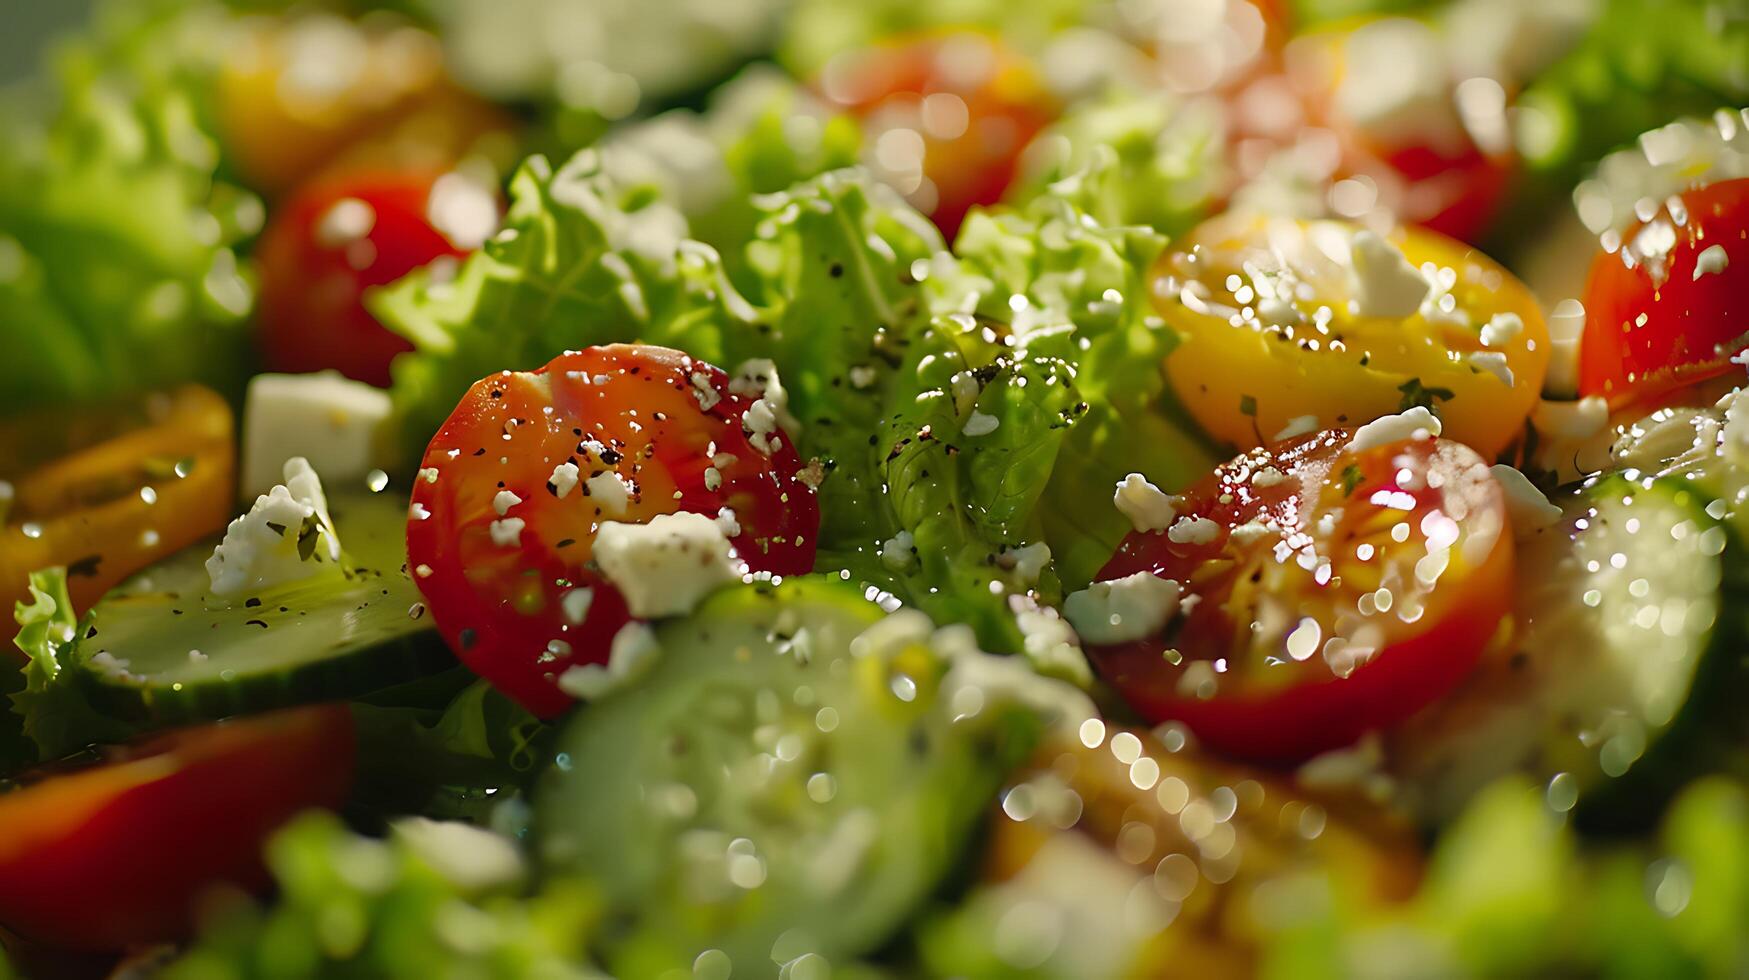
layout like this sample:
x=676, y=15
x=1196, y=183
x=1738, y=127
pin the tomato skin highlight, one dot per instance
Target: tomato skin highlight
x=115, y=855
x=652, y=420
x=323, y=248
x=1662, y=320
x=1273, y=706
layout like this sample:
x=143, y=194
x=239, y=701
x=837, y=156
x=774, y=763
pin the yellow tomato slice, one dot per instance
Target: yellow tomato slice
x=116, y=506
x=1289, y=326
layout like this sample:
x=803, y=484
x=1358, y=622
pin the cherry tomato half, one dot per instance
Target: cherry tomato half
x=1326, y=592
x=340, y=236
x=140, y=480
x=114, y=855
x=505, y=511
x=1277, y=323
x=946, y=117
x=1670, y=306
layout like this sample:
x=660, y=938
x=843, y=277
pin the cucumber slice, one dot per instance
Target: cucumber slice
x=160, y=649
x=781, y=782
x=1631, y=627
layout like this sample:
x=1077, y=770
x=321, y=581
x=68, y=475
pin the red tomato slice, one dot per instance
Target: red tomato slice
x=114, y=855
x=1335, y=593
x=1667, y=308
x=946, y=117
x=340, y=236
x=663, y=430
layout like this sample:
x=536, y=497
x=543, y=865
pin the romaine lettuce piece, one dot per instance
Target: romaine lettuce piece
x=117, y=261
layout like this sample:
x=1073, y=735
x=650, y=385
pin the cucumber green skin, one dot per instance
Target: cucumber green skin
x=1711, y=732
x=341, y=638
x=917, y=785
x=1524, y=713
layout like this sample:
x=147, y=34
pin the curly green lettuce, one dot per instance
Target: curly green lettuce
x=53, y=714
x=581, y=260
x=761, y=133
x=433, y=901
x=1168, y=154
x=887, y=344
x=118, y=268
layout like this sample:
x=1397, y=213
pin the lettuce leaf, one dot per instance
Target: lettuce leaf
x=1079, y=290
x=432, y=900
x=1641, y=64
x=55, y=715
x=1168, y=154
x=761, y=133
x=117, y=260
x=460, y=762
x=581, y=260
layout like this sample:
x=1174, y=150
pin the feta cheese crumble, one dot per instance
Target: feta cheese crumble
x=1501, y=329
x=1385, y=283
x=898, y=552
x=980, y=424
x=1493, y=362
x=1712, y=260
x=564, y=479
x=1147, y=506
x=286, y=536
x=633, y=651
x=1416, y=423
x=608, y=491
x=1193, y=530
x=1124, y=609
x=665, y=567
x=1526, y=506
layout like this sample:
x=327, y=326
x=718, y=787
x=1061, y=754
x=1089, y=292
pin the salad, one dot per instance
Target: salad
x=812, y=488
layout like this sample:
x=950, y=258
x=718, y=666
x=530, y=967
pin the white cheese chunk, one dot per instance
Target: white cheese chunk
x=504, y=500
x=898, y=552
x=1124, y=609
x=607, y=490
x=1566, y=327
x=1147, y=506
x=1416, y=423
x=1493, y=362
x=1028, y=561
x=665, y=567
x=1526, y=506
x=632, y=652
x=1501, y=329
x=1571, y=420
x=980, y=424
x=1712, y=260
x=1193, y=530
x=564, y=479
x=286, y=536
x=333, y=422
x=1385, y=283
x=575, y=603
x=1299, y=425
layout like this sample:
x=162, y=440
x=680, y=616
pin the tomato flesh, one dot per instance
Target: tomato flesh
x=1666, y=309
x=340, y=236
x=668, y=427
x=946, y=117
x=114, y=855
x=1341, y=592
